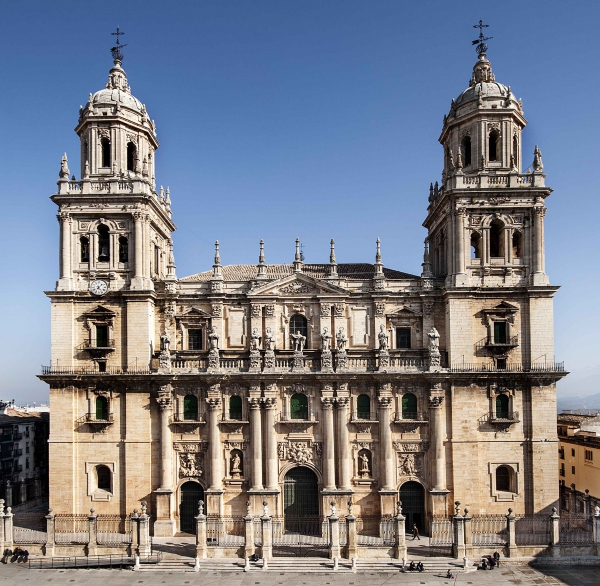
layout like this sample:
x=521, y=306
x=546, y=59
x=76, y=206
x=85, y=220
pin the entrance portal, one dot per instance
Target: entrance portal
x=412, y=496
x=191, y=493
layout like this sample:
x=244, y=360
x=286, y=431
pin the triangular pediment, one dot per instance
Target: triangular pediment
x=100, y=311
x=502, y=307
x=403, y=309
x=297, y=285
x=193, y=312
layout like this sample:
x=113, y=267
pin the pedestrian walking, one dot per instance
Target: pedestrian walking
x=415, y=532
x=497, y=558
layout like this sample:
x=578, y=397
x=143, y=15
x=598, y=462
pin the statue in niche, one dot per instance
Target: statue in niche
x=269, y=340
x=254, y=340
x=383, y=338
x=213, y=339
x=326, y=340
x=298, y=340
x=236, y=465
x=434, y=339
x=341, y=340
x=365, y=471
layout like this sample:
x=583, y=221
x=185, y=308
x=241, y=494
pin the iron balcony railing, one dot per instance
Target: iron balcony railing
x=91, y=418
x=364, y=416
x=99, y=344
x=409, y=416
x=179, y=418
x=517, y=367
x=488, y=342
x=504, y=417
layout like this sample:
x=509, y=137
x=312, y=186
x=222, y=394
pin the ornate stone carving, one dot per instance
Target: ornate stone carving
x=380, y=309
x=338, y=309
x=214, y=403
x=434, y=350
x=255, y=310
x=295, y=288
x=326, y=310
x=270, y=310
x=382, y=338
x=170, y=308
x=410, y=464
x=216, y=286
x=190, y=465
x=428, y=308
x=165, y=397
x=407, y=447
x=299, y=452
x=436, y=401
x=217, y=310
x=384, y=402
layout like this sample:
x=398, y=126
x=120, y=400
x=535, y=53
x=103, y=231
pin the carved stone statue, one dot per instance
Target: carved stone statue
x=236, y=465
x=341, y=339
x=383, y=338
x=434, y=350
x=299, y=340
x=165, y=342
x=434, y=339
x=364, y=465
x=326, y=340
x=254, y=340
x=213, y=339
x=269, y=340
x=189, y=465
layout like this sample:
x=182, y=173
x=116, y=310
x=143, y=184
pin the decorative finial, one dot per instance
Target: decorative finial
x=332, y=261
x=537, y=159
x=262, y=267
x=298, y=258
x=168, y=197
x=399, y=508
x=116, y=52
x=480, y=41
x=64, y=168
x=200, y=508
x=378, y=253
x=217, y=255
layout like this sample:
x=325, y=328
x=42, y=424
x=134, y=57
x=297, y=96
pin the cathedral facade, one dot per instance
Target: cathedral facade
x=295, y=386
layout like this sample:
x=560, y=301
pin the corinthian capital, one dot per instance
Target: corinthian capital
x=213, y=403
x=327, y=403
x=165, y=397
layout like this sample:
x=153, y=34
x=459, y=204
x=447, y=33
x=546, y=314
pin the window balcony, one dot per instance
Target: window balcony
x=364, y=417
x=498, y=345
x=504, y=417
x=17, y=453
x=98, y=348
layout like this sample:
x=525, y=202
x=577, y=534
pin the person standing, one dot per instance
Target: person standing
x=415, y=532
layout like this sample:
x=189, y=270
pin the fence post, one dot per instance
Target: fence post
x=2, y=525
x=512, y=536
x=50, y=533
x=468, y=534
x=144, y=539
x=334, y=534
x=555, y=541
x=352, y=546
x=267, y=534
x=249, y=548
x=399, y=533
x=596, y=526
x=201, y=532
x=8, y=528
x=92, y=533
x=458, y=545
x=133, y=527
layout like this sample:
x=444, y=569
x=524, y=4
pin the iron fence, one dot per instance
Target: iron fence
x=225, y=532
x=489, y=530
x=576, y=529
x=533, y=529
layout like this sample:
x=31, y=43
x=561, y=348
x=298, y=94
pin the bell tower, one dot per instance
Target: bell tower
x=485, y=220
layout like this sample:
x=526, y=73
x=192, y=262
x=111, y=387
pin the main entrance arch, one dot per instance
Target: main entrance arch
x=412, y=496
x=301, y=501
x=190, y=494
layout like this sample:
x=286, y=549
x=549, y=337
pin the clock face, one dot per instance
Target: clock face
x=98, y=287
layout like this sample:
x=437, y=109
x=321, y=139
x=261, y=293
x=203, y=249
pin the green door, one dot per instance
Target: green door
x=301, y=501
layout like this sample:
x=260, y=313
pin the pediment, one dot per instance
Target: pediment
x=193, y=312
x=100, y=311
x=404, y=309
x=297, y=285
x=502, y=307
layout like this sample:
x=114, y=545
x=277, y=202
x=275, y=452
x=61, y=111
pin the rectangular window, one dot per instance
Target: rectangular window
x=572, y=469
x=589, y=456
x=573, y=452
x=501, y=363
x=562, y=469
x=561, y=453
x=27, y=463
x=101, y=336
x=499, y=332
x=403, y=338
x=194, y=339
x=27, y=447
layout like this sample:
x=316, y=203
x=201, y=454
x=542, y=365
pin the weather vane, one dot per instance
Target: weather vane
x=116, y=50
x=480, y=42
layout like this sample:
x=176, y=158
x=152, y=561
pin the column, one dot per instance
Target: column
x=399, y=535
x=538, y=240
x=138, y=243
x=328, y=444
x=343, y=443
x=439, y=467
x=512, y=541
x=146, y=248
x=201, y=533
x=92, y=532
x=165, y=404
x=267, y=536
x=214, y=444
x=459, y=234
x=386, y=459
x=555, y=541
x=65, y=245
x=271, y=447
x=50, y=535
x=334, y=537
x=255, y=444
x=1, y=525
x=352, y=547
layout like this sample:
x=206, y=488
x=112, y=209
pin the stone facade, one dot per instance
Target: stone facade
x=369, y=377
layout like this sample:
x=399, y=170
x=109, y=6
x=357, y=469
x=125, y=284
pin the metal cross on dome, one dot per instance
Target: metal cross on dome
x=480, y=42
x=116, y=50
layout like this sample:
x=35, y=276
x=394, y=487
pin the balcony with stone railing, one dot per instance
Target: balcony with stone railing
x=492, y=180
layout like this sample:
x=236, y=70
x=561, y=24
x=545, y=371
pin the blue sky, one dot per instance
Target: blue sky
x=282, y=119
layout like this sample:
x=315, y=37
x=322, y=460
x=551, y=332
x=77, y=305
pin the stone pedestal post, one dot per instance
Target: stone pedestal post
x=1, y=525
x=400, y=536
x=201, y=533
x=164, y=526
x=555, y=541
x=596, y=529
x=256, y=482
x=267, y=537
x=386, y=459
x=50, y=535
x=135, y=532
x=352, y=541
x=249, y=547
x=272, y=476
x=328, y=444
x=334, y=537
x=8, y=528
x=145, y=547
x=458, y=545
x=93, y=533
x=8, y=494
x=343, y=444
x=512, y=538
x=468, y=529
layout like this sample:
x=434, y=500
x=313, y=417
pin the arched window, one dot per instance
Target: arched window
x=105, y=147
x=494, y=146
x=517, y=242
x=503, y=478
x=298, y=406
x=497, y=239
x=84, y=249
x=298, y=325
x=190, y=407
x=409, y=406
x=103, y=478
x=363, y=407
x=131, y=156
x=102, y=408
x=103, y=243
x=123, y=249
x=502, y=407
x=475, y=245
x=235, y=407
x=466, y=150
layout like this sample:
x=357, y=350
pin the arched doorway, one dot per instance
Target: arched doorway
x=301, y=501
x=191, y=493
x=412, y=496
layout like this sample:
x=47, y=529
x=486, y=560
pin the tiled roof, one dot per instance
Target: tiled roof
x=358, y=271
x=20, y=417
